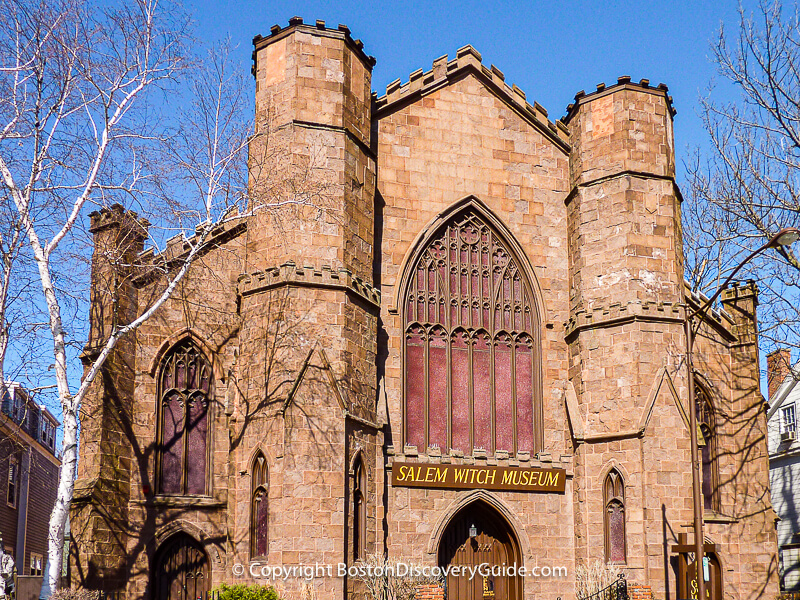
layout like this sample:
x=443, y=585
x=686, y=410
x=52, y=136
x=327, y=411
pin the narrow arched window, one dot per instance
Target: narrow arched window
x=359, y=532
x=184, y=386
x=471, y=343
x=614, y=517
x=259, y=507
x=706, y=421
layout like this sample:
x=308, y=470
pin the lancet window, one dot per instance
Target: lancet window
x=259, y=507
x=471, y=343
x=184, y=392
x=359, y=509
x=614, y=518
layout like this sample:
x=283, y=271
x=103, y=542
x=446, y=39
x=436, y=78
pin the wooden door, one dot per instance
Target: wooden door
x=181, y=571
x=493, y=545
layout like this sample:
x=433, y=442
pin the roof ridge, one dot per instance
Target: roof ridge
x=467, y=57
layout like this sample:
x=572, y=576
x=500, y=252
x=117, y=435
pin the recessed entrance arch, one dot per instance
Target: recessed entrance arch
x=478, y=534
x=181, y=570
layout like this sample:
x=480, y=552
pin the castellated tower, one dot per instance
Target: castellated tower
x=102, y=490
x=309, y=311
x=625, y=329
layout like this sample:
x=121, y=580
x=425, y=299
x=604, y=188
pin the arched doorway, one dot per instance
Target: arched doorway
x=181, y=570
x=478, y=534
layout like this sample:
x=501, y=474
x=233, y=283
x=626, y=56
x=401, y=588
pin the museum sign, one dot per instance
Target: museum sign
x=516, y=479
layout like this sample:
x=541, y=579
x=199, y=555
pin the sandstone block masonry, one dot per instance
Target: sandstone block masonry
x=472, y=283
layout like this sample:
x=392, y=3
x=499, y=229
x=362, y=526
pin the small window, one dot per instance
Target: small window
x=36, y=564
x=259, y=507
x=13, y=482
x=614, y=518
x=359, y=510
x=789, y=421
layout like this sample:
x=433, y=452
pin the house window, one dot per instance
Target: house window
x=471, y=374
x=706, y=421
x=259, y=508
x=359, y=509
x=13, y=482
x=184, y=391
x=36, y=564
x=614, y=517
x=48, y=434
x=788, y=420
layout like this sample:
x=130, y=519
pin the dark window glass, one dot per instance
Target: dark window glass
x=185, y=387
x=13, y=482
x=259, y=510
x=359, y=510
x=470, y=354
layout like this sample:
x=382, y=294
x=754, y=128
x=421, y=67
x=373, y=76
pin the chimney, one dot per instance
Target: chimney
x=779, y=365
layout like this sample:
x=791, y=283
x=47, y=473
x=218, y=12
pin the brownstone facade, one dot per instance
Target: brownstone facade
x=305, y=324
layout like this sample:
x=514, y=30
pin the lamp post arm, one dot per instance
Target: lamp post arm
x=730, y=277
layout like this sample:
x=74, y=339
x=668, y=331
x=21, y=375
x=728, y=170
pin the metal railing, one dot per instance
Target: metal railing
x=618, y=590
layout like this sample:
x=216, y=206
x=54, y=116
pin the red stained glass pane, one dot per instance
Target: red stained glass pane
x=481, y=376
x=504, y=414
x=437, y=384
x=462, y=419
x=616, y=532
x=415, y=389
x=524, y=380
x=261, y=523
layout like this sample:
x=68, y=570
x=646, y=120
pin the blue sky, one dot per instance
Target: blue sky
x=551, y=50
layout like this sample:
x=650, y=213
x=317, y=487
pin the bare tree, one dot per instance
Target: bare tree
x=749, y=186
x=82, y=125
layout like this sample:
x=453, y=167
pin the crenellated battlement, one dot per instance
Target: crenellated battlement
x=468, y=59
x=623, y=82
x=117, y=215
x=289, y=273
x=276, y=32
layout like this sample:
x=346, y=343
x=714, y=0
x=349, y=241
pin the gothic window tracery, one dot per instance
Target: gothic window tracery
x=614, y=517
x=470, y=344
x=184, y=395
x=259, y=508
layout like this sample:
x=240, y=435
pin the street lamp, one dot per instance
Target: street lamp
x=784, y=237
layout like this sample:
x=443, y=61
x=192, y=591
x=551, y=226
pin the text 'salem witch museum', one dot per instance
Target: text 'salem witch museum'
x=475, y=353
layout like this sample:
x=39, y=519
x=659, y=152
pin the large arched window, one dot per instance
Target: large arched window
x=259, y=507
x=614, y=517
x=471, y=343
x=708, y=447
x=359, y=509
x=184, y=386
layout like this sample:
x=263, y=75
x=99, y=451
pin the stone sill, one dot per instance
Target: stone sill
x=183, y=502
x=479, y=458
x=713, y=517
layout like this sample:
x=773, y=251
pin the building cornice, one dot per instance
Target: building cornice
x=289, y=274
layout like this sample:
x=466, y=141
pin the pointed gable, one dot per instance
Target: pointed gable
x=468, y=63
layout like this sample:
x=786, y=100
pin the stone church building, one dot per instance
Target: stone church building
x=470, y=350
